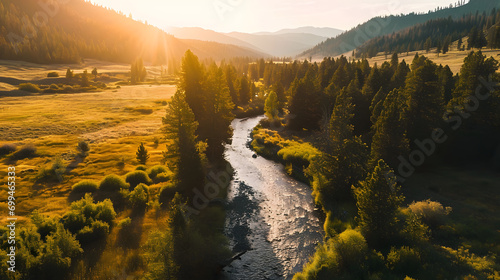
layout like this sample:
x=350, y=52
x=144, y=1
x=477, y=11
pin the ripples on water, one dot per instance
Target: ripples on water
x=271, y=216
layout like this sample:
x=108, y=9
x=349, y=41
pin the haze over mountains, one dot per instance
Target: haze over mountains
x=286, y=42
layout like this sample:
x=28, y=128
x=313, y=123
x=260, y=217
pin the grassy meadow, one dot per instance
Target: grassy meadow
x=114, y=122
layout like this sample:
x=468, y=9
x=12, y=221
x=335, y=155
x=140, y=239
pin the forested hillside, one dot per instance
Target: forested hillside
x=381, y=26
x=67, y=33
x=482, y=30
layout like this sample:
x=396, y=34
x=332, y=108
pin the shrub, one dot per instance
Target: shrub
x=134, y=178
x=52, y=75
x=139, y=197
x=430, y=212
x=113, y=183
x=55, y=172
x=97, y=231
x=155, y=170
x=83, y=148
x=164, y=177
x=351, y=248
x=141, y=168
x=404, y=260
x=44, y=225
x=27, y=151
x=125, y=222
x=167, y=193
x=54, y=87
x=6, y=149
x=84, y=214
x=85, y=186
x=29, y=87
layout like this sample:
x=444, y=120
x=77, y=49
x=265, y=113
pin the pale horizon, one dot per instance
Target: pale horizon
x=264, y=16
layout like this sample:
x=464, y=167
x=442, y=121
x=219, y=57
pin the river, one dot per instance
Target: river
x=270, y=215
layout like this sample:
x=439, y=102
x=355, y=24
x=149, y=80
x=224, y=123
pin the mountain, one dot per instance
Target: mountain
x=380, y=26
x=286, y=42
x=78, y=29
x=326, y=32
x=201, y=34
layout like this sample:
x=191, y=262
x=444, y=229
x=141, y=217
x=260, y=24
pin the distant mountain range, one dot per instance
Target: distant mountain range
x=380, y=26
x=286, y=42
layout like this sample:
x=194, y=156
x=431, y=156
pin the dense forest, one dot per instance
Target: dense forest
x=372, y=126
x=67, y=33
x=481, y=29
x=383, y=26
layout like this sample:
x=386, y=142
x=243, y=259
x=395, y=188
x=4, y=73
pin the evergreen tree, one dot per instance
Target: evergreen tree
x=180, y=127
x=245, y=91
x=94, y=72
x=378, y=199
x=216, y=124
x=271, y=106
x=424, y=98
x=304, y=106
x=69, y=74
x=84, y=82
x=192, y=76
x=389, y=139
x=142, y=154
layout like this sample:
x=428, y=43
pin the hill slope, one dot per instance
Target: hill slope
x=67, y=33
x=380, y=26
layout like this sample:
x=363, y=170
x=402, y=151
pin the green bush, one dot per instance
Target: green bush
x=6, y=149
x=139, y=197
x=27, y=151
x=88, y=220
x=113, y=183
x=351, y=248
x=134, y=178
x=167, y=193
x=141, y=168
x=125, y=223
x=45, y=225
x=29, y=87
x=85, y=186
x=54, y=172
x=430, y=212
x=52, y=75
x=97, y=231
x=404, y=260
x=164, y=177
x=157, y=169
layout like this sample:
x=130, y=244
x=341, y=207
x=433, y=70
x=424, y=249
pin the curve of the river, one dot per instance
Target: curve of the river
x=270, y=215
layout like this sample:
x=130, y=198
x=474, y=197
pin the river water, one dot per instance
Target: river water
x=270, y=215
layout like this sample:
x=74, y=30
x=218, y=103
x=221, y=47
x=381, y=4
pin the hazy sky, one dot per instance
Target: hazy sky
x=265, y=15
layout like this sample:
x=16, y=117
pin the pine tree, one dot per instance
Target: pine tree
x=69, y=74
x=142, y=154
x=245, y=91
x=180, y=126
x=378, y=199
x=215, y=127
x=389, y=139
x=94, y=72
x=85, y=79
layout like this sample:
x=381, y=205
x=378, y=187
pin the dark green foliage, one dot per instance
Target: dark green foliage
x=141, y=168
x=139, y=197
x=378, y=200
x=44, y=225
x=142, y=154
x=85, y=186
x=52, y=75
x=134, y=178
x=113, y=183
x=155, y=170
x=304, y=112
x=88, y=220
x=244, y=91
x=167, y=193
x=6, y=149
x=94, y=72
x=404, y=261
x=180, y=126
x=84, y=79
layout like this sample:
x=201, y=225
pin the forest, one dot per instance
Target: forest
x=482, y=30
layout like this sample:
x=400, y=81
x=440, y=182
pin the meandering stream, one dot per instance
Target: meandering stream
x=271, y=215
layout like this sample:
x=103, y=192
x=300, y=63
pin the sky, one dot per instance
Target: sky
x=265, y=15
